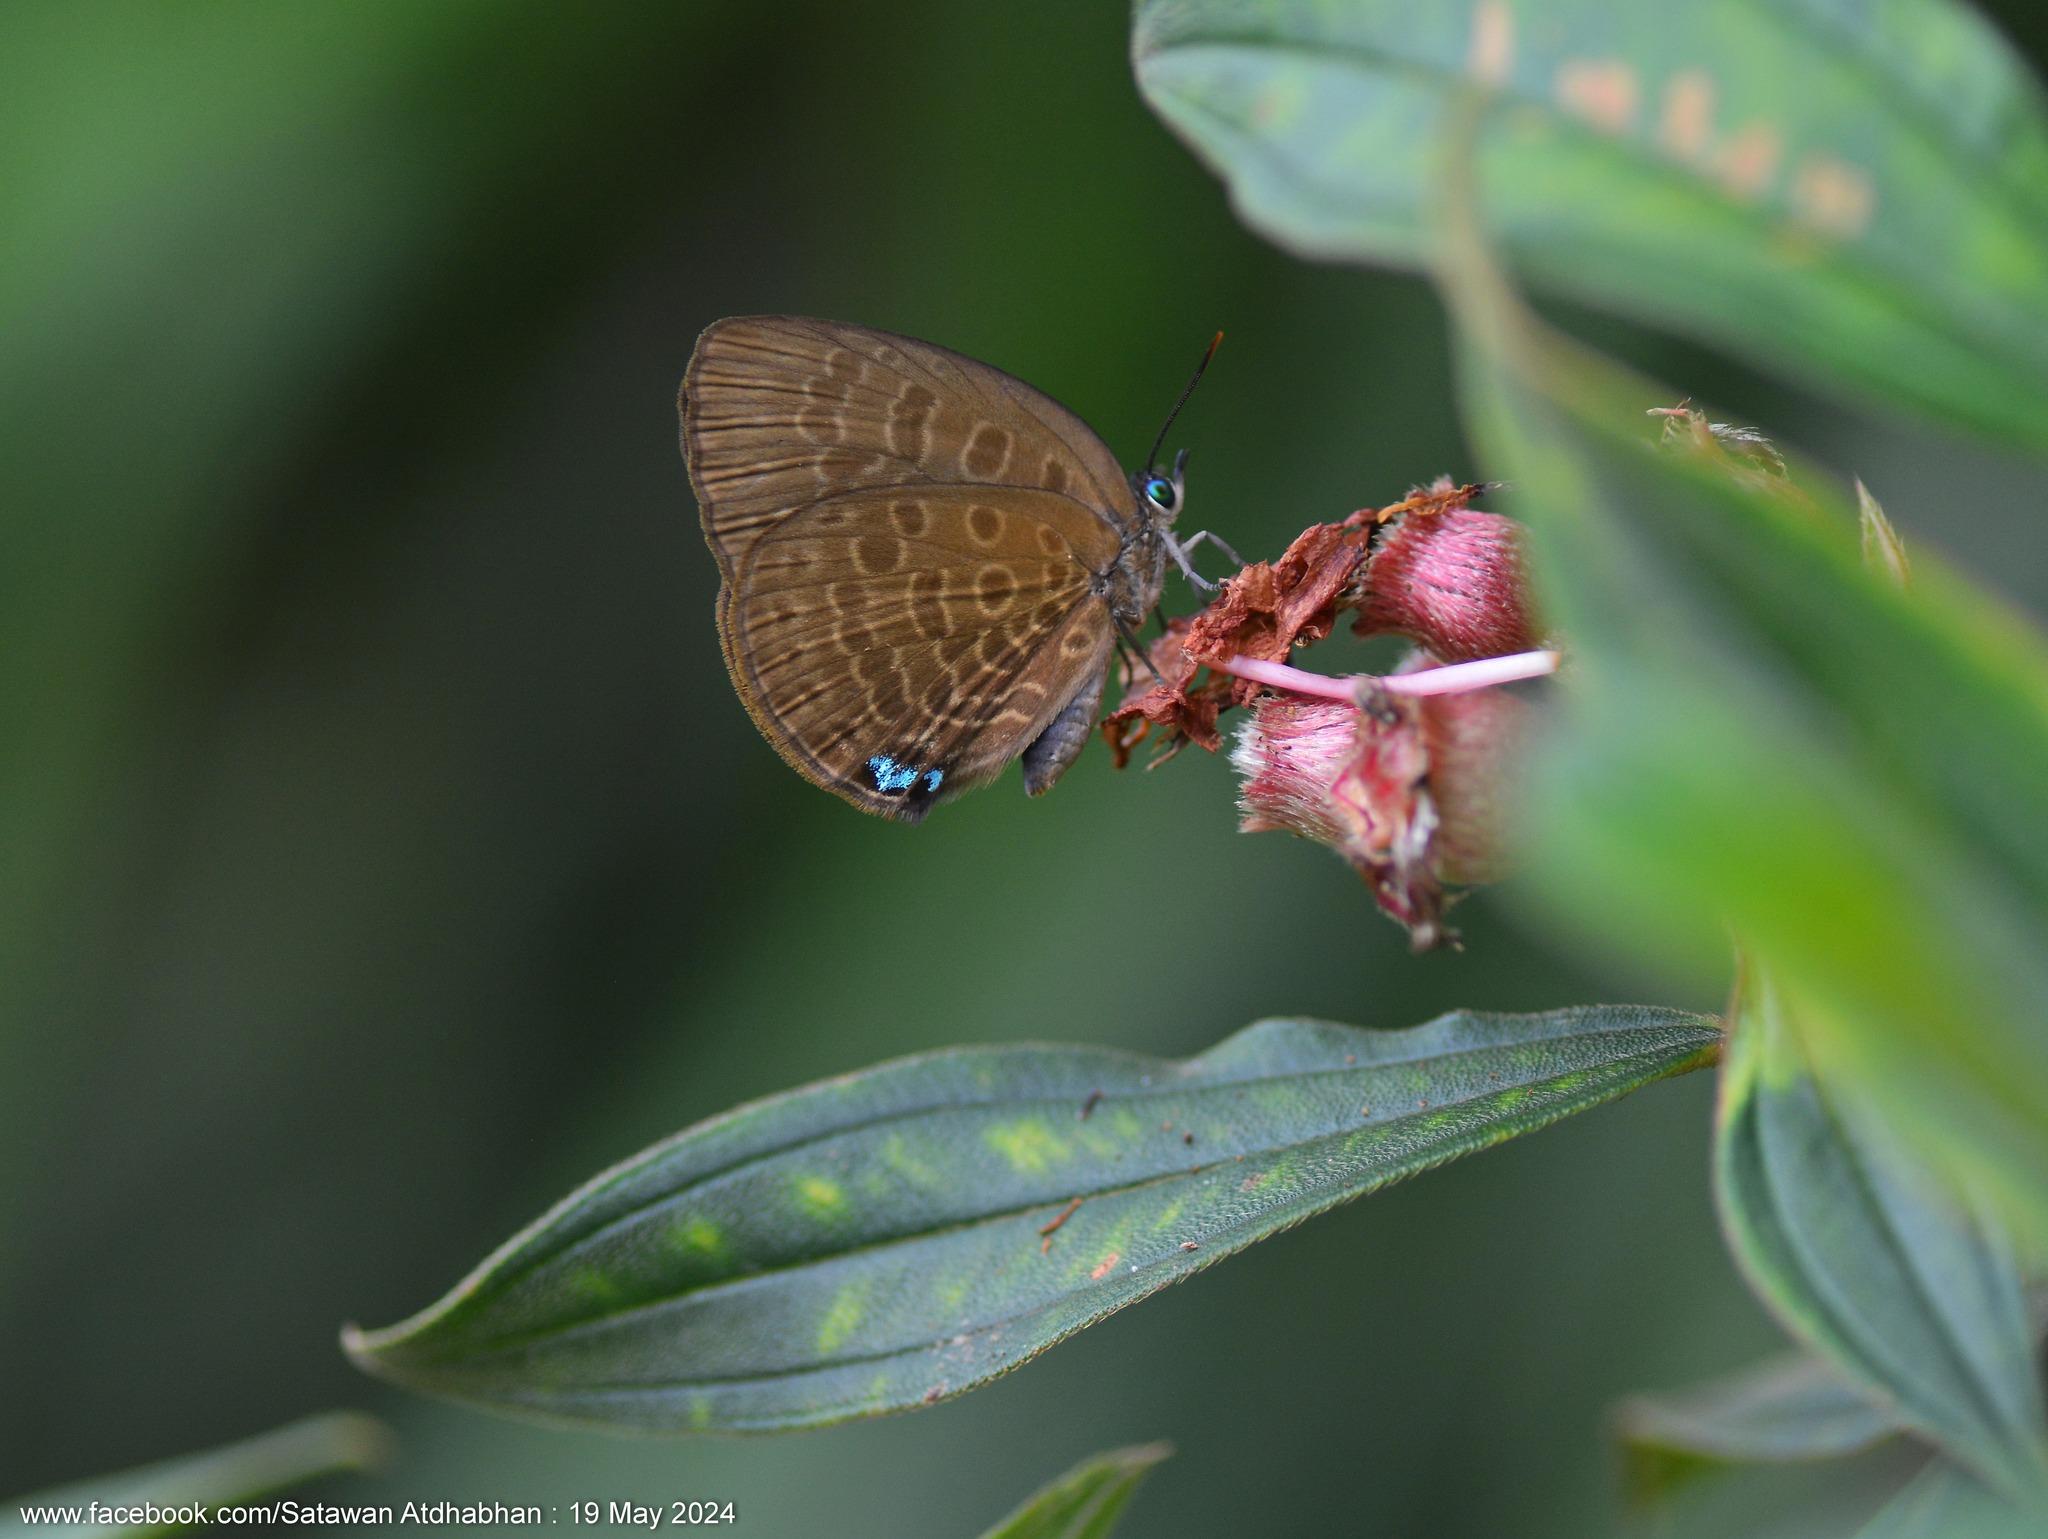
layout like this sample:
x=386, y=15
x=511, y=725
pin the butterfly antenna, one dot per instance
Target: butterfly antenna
x=1158, y=443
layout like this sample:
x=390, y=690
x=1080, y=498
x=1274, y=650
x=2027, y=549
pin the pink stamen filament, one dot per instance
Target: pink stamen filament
x=1282, y=676
x=1450, y=679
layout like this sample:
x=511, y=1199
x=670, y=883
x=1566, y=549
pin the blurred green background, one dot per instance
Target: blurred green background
x=385, y=849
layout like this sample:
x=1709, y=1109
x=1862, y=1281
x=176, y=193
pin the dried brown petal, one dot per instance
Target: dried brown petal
x=1269, y=608
x=1443, y=495
x=1179, y=713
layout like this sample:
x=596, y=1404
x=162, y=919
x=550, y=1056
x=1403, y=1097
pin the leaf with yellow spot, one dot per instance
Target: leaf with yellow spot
x=812, y=1312
x=1856, y=193
x=1029, y=1145
x=842, y=1317
x=821, y=1196
x=699, y=1236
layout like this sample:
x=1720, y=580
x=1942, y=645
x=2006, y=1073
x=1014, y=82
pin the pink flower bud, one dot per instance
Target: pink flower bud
x=1451, y=581
x=1408, y=790
x=1476, y=744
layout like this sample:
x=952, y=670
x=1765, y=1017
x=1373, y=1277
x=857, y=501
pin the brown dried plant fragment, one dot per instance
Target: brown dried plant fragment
x=1179, y=713
x=1264, y=611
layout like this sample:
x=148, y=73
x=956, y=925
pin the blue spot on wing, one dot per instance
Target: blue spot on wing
x=893, y=777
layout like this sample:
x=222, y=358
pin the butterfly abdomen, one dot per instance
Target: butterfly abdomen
x=1060, y=744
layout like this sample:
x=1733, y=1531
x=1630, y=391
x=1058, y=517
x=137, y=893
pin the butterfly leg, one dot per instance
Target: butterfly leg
x=1179, y=549
x=1175, y=549
x=1133, y=651
x=1060, y=744
x=1214, y=539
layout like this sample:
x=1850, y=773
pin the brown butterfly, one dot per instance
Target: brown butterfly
x=926, y=562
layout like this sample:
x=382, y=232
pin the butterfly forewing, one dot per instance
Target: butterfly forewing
x=779, y=411
x=913, y=546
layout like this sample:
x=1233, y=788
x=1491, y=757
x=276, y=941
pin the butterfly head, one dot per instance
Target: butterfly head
x=1162, y=491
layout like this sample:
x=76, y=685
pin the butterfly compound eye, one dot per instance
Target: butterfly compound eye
x=1159, y=492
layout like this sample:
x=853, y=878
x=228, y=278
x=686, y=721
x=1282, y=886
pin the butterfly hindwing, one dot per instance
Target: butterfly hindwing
x=901, y=646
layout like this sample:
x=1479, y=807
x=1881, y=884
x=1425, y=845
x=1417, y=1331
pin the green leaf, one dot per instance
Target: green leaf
x=319, y=1445
x=1897, y=1283
x=1945, y=1501
x=1789, y=1408
x=1763, y=731
x=1086, y=1502
x=886, y=1240
x=1856, y=192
